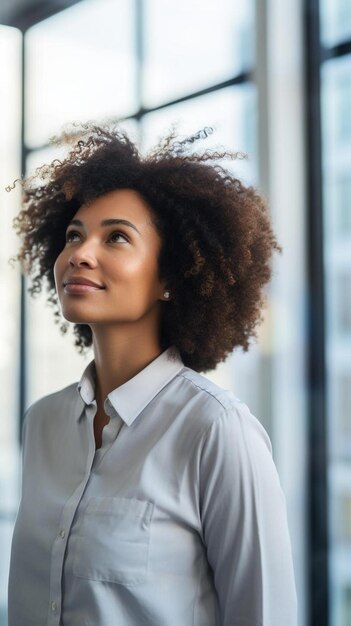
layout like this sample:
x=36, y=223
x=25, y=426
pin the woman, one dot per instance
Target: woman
x=149, y=494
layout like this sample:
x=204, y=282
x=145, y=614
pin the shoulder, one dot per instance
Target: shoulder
x=220, y=410
x=51, y=405
x=57, y=398
x=208, y=391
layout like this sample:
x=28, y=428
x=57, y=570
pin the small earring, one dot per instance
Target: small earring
x=166, y=294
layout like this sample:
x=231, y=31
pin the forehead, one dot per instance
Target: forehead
x=119, y=204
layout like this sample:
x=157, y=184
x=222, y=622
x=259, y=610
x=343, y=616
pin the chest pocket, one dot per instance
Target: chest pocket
x=113, y=540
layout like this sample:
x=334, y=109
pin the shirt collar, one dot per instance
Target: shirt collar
x=132, y=397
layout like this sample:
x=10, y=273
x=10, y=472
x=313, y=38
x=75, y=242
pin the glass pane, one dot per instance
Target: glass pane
x=10, y=169
x=231, y=112
x=81, y=65
x=335, y=21
x=340, y=528
x=191, y=45
x=336, y=106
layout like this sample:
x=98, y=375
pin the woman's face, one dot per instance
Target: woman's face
x=108, y=270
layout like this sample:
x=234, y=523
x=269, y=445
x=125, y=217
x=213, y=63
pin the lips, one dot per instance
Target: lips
x=79, y=284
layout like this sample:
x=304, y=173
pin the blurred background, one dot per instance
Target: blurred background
x=273, y=79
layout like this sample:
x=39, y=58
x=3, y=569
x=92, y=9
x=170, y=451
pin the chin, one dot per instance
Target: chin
x=76, y=317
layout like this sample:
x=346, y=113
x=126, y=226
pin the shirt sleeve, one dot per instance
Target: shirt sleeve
x=244, y=522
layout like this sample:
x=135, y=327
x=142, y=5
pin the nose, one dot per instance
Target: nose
x=83, y=256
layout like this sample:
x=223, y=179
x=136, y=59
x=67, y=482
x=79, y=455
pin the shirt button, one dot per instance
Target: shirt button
x=53, y=607
x=62, y=534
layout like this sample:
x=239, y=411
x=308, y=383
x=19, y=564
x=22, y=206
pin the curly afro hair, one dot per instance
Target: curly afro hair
x=217, y=237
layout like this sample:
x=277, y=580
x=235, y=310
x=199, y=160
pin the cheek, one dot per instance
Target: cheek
x=145, y=271
x=133, y=268
x=138, y=277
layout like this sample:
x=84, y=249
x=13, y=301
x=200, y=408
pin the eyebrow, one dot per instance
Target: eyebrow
x=109, y=222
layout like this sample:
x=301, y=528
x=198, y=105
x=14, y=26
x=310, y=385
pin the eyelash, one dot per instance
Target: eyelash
x=74, y=232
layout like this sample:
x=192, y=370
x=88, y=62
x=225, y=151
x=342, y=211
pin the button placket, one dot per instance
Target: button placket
x=54, y=614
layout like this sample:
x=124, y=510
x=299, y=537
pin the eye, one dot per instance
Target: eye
x=113, y=237
x=71, y=235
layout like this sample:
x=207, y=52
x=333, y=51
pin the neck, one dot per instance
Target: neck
x=120, y=355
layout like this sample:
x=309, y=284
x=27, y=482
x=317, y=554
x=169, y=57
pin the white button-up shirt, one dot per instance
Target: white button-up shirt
x=178, y=519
